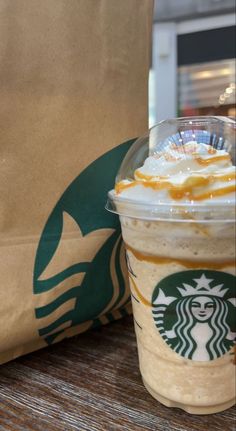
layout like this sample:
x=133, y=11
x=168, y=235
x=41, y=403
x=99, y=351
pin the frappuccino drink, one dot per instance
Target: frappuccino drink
x=175, y=195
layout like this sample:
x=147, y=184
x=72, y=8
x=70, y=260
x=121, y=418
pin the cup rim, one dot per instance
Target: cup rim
x=168, y=211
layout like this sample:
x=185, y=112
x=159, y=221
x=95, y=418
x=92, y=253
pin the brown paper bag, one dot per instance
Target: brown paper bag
x=73, y=85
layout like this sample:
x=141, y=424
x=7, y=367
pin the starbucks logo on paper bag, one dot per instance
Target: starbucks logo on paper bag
x=80, y=272
x=194, y=312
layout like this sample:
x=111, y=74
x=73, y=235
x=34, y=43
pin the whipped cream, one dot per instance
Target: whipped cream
x=185, y=174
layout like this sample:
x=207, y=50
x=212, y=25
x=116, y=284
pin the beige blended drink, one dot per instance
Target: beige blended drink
x=175, y=195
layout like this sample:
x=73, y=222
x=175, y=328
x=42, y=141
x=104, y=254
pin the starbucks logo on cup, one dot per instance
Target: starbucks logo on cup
x=194, y=312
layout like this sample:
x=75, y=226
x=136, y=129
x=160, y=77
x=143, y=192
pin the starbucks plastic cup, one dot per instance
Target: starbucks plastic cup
x=177, y=213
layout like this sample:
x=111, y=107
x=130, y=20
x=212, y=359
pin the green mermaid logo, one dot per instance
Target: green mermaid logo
x=80, y=278
x=195, y=315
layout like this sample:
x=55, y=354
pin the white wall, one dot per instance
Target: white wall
x=165, y=70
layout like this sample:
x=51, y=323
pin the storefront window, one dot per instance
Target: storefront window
x=207, y=88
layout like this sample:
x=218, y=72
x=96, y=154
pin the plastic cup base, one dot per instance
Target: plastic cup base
x=196, y=410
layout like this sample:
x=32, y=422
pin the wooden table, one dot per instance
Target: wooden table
x=90, y=383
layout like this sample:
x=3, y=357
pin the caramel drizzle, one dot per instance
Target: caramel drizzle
x=140, y=296
x=175, y=194
x=211, y=150
x=211, y=160
x=142, y=176
x=199, y=160
x=178, y=192
x=209, y=178
x=160, y=260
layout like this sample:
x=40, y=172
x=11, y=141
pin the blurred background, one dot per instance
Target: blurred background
x=193, y=59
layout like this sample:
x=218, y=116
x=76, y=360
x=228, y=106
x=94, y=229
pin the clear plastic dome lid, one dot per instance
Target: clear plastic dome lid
x=157, y=173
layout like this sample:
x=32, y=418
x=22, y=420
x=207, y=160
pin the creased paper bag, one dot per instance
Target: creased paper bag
x=73, y=86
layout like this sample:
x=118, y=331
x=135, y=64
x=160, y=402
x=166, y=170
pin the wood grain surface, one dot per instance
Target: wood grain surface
x=90, y=383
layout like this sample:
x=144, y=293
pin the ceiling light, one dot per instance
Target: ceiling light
x=206, y=74
x=225, y=71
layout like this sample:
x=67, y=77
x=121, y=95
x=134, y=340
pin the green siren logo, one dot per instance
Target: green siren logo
x=80, y=272
x=194, y=312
